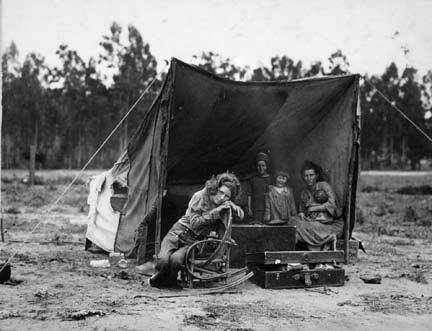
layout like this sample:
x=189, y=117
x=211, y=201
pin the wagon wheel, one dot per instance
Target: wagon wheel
x=197, y=260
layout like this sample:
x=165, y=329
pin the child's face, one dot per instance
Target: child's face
x=223, y=194
x=261, y=167
x=281, y=181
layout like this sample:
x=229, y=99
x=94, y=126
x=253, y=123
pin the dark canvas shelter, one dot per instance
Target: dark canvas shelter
x=201, y=124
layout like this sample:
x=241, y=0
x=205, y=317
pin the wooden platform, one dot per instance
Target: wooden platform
x=260, y=238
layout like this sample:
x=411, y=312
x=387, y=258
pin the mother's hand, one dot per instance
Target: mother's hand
x=302, y=216
x=315, y=207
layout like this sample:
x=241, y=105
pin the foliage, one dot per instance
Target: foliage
x=67, y=111
x=216, y=64
x=388, y=140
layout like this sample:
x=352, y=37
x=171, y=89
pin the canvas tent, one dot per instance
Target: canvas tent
x=201, y=124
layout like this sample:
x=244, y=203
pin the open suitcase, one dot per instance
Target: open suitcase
x=290, y=269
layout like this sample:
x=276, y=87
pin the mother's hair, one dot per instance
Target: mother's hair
x=227, y=179
x=307, y=165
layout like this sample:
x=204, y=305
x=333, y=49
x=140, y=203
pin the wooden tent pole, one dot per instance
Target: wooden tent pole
x=1, y=119
x=162, y=180
x=353, y=168
x=164, y=155
x=158, y=231
x=346, y=234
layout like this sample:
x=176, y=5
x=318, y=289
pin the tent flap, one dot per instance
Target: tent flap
x=146, y=172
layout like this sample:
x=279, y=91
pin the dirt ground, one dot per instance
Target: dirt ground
x=55, y=287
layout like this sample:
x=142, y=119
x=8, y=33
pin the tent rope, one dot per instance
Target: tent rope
x=86, y=165
x=393, y=104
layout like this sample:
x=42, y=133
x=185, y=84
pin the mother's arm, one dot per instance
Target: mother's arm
x=291, y=202
x=302, y=205
x=330, y=205
x=199, y=216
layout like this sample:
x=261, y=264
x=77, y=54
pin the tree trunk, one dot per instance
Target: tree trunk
x=393, y=154
x=125, y=127
x=70, y=156
x=404, y=155
x=125, y=135
x=32, y=165
x=79, y=158
x=384, y=149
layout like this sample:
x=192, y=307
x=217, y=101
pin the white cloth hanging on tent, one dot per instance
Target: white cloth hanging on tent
x=102, y=218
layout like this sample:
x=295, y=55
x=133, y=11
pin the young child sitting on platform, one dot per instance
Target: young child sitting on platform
x=279, y=202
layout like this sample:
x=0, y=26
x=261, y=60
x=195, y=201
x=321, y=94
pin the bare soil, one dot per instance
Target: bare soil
x=56, y=288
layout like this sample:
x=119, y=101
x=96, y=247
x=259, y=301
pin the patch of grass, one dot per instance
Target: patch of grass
x=393, y=180
x=400, y=242
x=417, y=276
x=415, y=190
x=397, y=303
x=12, y=210
x=58, y=176
x=369, y=189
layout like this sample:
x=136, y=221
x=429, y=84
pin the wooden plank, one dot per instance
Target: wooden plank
x=285, y=257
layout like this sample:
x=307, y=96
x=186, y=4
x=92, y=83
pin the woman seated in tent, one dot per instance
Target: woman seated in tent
x=205, y=212
x=319, y=222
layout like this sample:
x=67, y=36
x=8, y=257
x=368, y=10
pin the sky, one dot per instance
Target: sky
x=371, y=34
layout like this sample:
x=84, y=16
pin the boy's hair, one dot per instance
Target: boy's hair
x=228, y=179
x=262, y=157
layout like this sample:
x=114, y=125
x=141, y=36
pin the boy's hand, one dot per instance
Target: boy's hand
x=224, y=205
x=231, y=205
x=235, y=208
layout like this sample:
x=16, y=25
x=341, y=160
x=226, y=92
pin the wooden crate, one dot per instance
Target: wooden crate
x=288, y=279
x=353, y=249
x=259, y=238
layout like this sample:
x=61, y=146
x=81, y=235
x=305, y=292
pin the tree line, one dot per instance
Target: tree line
x=66, y=111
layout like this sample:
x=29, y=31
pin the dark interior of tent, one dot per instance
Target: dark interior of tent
x=217, y=125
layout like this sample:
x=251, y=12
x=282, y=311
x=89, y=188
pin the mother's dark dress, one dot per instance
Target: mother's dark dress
x=320, y=227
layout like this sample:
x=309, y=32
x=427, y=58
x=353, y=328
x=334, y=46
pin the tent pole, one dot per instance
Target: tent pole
x=1, y=228
x=346, y=234
x=164, y=156
x=353, y=169
x=1, y=119
x=158, y=230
